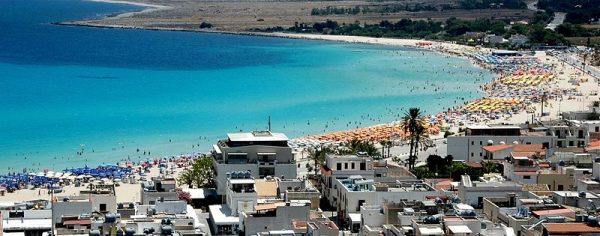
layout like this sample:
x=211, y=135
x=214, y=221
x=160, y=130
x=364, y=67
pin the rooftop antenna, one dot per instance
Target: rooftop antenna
x=269, y=123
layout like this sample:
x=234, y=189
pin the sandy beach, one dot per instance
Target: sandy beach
x=125, y=192
x=148, y=8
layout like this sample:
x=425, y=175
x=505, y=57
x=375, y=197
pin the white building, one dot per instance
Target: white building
x=261, y=152
x=473, y=192
x=357, y=191
x=468, y=147
x=344, y=166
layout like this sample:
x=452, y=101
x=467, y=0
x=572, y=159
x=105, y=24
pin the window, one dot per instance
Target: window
x=472, y=154
x=353, y=165
x=472, y=143
x=480, y=142
x=559, y=143
x=346, y=165
x=480, y=154
x=528, y=143
x=580, y=134
x=363, y=166
x=597, y=129
x=339, y=166
x=571, y=143
x=560, y=187
x=102, y=207
x=526, y=177
x=360, y=203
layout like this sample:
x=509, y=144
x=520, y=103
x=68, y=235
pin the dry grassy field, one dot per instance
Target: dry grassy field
x=232, y=15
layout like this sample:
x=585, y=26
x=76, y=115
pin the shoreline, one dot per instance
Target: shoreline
x=444, y=48
x=148, y=8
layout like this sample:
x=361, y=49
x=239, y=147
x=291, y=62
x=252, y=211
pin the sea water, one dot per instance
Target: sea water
x=71, y=96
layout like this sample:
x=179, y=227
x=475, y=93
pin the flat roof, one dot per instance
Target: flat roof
x=355, y=217
x=459, y=229
x=199, y=193
x=266, y=188
x=431, y=231
x=26, y=224
x=493, y=127
x=242, y=181
x=257, y=136
x=221, y=215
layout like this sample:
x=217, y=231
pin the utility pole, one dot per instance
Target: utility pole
x=269, y=123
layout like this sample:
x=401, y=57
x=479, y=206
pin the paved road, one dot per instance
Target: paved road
x=202, y=217
x=532, y=6
x=559, y=18
x=440, y=149
x=573, y=59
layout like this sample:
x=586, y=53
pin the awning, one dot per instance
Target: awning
x=264, y=207
x=78, y=222
x=237, y=154
x=459, y=229
x=217, y=149
x=266, y=153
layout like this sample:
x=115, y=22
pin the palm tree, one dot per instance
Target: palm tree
x=383, y=144
x=318, y=156
x=354, y=146
x=414, y=127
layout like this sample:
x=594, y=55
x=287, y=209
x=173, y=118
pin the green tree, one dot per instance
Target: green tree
x=318, y=156
x=200, y=175
x=354, y=146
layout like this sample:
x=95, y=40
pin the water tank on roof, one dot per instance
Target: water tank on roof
x=582, y=194
x=580, y=218
x=247, y=175
x=592, y=221
x=548, y=201
x=434, y=219
x=148, y=230
x=110, y=218
x=561, y=163
x=597, y=159
x=455, y=199
x=235, y=175
x=94, y=232
x=502, y=142
x=166, y=230
x=468, y=213
x=129, y=232
x=66, y=199
x=131, y=205
x=120, y=232
x=515, y=142
x=120, y=206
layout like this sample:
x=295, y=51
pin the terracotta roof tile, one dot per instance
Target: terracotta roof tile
x=569, y=228
x=528, y=148
x=495, y=148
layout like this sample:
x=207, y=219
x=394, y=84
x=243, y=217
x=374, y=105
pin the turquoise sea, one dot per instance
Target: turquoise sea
x=71, y=96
